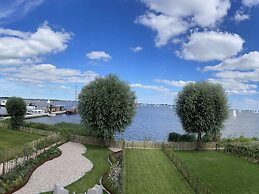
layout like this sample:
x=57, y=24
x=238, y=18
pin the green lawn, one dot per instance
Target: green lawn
x=99, y=157
x=14, y=139
x=224, y=173
x=151, y=172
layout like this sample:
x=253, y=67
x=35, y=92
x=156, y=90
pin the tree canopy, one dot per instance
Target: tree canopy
x=106, y=105
x=16, y=108
x=202, y=107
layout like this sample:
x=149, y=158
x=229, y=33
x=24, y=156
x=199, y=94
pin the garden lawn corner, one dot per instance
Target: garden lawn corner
x=223, y=173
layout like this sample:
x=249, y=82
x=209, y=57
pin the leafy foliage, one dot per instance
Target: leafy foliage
x=176, y=137
x=202, y=107
x=16, y=108
x=106, y=105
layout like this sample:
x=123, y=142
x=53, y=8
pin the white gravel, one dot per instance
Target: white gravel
x=64, y=170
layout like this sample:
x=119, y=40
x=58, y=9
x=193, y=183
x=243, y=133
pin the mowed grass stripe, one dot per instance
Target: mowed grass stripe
x=224, y=173
x=151, y=172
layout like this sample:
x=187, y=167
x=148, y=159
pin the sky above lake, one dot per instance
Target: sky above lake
x=47, y=47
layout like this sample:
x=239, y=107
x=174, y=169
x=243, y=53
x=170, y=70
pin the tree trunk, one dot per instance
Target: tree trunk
x=199, y=141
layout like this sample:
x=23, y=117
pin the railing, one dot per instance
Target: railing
x=198, y=186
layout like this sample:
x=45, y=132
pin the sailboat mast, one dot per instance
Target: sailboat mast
x=76, y=97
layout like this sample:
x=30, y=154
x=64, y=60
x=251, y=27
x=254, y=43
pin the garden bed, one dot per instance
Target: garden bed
x=18, y=177
x=113, y=179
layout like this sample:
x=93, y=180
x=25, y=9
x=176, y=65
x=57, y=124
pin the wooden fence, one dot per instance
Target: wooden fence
x=10, y=158
x=198, y=186
x=84, y=139
x=192, y=145
x=145, y=144
x=37, y=131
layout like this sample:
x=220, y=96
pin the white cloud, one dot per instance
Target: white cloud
x=170, y=18
x=245, y=62
x=41, y=73
x=136, y=49
x=150, y=87
x=174, y=83
x=211, y=45
x=250, y=3
x=17, y=47
x=16, y=9
x=162, y=24
x=98, y=55
x=241, y=16
x=233, y=86
x=238, y=75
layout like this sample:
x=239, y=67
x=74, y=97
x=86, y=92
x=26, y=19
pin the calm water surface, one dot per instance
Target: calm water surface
x=154, y=123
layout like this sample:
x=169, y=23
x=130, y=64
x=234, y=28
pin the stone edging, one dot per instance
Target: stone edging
x=101, y=179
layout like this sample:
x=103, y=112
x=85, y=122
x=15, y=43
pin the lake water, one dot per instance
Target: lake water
x=155, y=123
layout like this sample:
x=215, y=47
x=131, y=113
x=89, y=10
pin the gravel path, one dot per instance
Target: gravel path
x=64, y=170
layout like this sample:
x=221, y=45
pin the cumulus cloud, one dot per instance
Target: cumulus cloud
x=250, y=3
x=11, y=10
x=241, y=16
x=17, y=47
x=99, y=55
x=239, y=75
x=136, y=49
x=42, y=73
x=166, y=26
x=233, y=86
x=245, y=62
x=170, y=18
x=174, y=83
x=211, y=45
x=151, y=87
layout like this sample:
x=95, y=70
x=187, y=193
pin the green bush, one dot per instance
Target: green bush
x=245, y=149
x=106, y=105
x=176, y=137
x=16, y=108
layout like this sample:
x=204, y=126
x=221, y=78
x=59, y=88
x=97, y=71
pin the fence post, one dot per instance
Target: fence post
x=197, y=186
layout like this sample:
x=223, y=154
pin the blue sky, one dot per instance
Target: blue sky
x=47, y=47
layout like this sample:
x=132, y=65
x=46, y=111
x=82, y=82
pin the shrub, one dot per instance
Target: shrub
x=16, y=108
x=106, y=105
x=176, y=137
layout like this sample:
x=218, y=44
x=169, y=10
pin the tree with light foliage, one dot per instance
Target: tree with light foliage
x=16, y=108
x=106, y=106
x=202, y=107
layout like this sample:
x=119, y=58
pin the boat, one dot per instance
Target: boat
x=234, y=113
x=52, y=115
x=74, y=109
